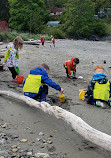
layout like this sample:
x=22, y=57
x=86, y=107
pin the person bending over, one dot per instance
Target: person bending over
x=36, y=85
x=70, y=67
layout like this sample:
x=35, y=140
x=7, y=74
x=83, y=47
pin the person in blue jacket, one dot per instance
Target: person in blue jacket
x=36, y=85
x=99, y=88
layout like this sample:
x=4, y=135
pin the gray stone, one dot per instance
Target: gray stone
x=51, y=148
x=41, y=134
x=29, y=153
x=2, y=141
x=3, y=153
x=42, y=155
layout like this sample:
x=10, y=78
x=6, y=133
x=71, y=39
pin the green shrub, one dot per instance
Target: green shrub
x=85, y=31
x=108, y=28
x=47, y=30
x=108, y=19
x=2, y=36
x=10, y=36
x=57, y=33
x=99, y=28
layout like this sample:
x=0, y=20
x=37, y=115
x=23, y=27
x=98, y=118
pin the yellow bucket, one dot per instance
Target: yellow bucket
x=62, y=98
x=82, y=93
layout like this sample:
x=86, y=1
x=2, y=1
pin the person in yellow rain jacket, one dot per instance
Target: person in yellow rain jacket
x=12, y=55
x=36, y=85
x=70, y=67
x=99, y=88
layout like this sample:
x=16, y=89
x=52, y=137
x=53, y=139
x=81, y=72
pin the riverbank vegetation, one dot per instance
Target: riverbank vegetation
x=9, y=36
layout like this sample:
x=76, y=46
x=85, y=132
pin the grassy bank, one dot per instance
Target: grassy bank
x=9, y=36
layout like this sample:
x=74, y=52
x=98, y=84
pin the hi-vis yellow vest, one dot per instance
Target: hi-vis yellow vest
x=32, y=83
x=101, y=91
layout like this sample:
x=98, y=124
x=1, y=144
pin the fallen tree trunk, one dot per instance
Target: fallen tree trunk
x=101, y=139
x=32, y=42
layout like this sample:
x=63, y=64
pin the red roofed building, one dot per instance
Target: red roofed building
x=56, y=12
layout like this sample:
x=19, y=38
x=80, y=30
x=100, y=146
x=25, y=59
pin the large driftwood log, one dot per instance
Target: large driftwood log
x=32, y=42
x=101, y=139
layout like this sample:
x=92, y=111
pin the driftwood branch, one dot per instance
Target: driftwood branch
x=101, y=139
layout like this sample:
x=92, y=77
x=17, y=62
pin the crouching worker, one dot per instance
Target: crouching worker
x=99, y=89
x=70, y=67
x=36, y=85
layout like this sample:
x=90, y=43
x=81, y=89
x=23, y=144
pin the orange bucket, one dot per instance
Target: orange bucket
x=20, y=79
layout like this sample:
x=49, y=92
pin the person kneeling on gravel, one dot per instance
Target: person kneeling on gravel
x=36, y=85
x=99, y=89
x=70, y=67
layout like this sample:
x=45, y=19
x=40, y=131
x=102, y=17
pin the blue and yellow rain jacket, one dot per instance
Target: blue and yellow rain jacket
x=36, y=78
x=99, y=87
